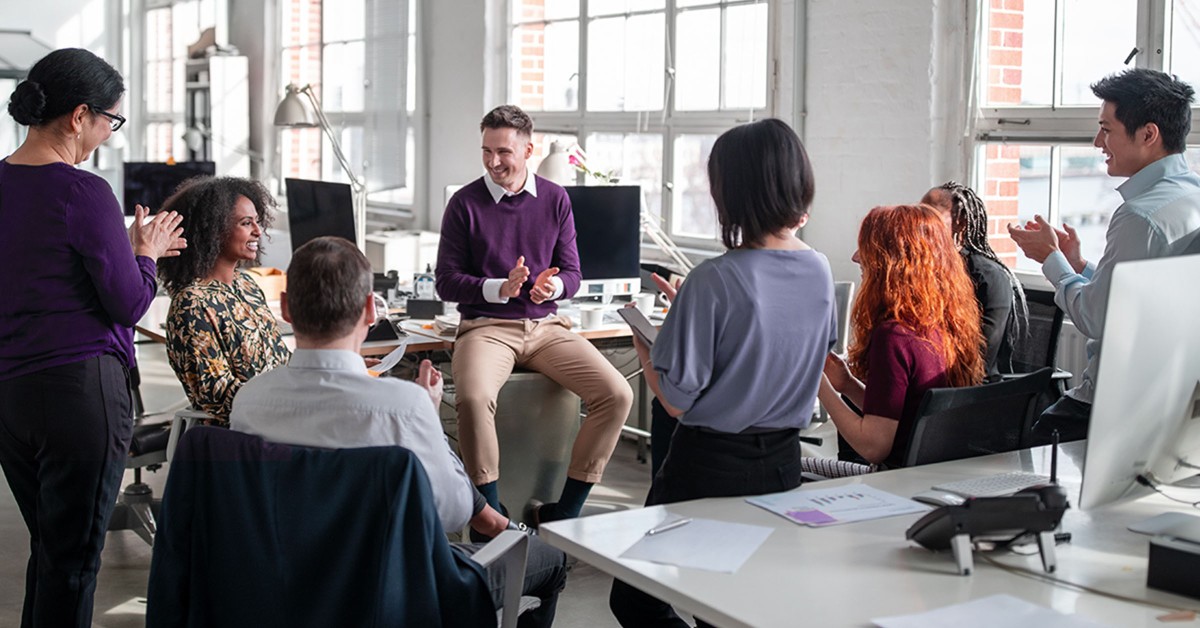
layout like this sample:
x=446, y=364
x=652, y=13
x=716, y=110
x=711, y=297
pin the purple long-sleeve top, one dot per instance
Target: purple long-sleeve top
x=482, y=239
x=70, y=286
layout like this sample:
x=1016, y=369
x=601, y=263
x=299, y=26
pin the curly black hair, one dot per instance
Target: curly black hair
x=206, y=204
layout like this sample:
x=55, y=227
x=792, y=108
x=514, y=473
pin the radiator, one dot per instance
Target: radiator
x=1072, y=352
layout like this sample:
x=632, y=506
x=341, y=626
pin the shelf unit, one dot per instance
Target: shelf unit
x=217, y=101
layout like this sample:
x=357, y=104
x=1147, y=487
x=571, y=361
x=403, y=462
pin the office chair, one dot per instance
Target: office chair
x=1038, y=347
x=152, y=444
x=956, y=423
x=262, y=534
x=843, y=298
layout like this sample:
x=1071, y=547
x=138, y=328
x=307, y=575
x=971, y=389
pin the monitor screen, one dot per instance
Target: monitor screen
x=1146, y=410
x=608, y=230
x=149, y=184
x=319, y=208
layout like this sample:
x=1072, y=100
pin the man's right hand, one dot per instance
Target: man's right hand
x=511, y=288
x=1068, y=243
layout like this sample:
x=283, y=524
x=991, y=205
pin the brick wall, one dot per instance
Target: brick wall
x=529, y=52
x=302, y=24
x=1006, y=20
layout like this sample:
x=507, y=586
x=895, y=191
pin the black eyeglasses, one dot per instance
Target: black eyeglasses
x=116, y=120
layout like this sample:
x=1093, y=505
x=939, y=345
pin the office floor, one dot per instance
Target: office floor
x=121, y=588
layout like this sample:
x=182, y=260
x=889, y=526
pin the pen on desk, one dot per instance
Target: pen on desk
x=678, y=523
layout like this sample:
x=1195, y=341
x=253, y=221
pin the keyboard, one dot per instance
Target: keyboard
x=994, y=485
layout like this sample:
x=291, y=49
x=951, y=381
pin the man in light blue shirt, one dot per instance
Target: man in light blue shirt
x=325, y=397
x=1144, y=122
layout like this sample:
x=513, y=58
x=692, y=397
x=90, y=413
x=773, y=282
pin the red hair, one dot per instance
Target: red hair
x=913, y=274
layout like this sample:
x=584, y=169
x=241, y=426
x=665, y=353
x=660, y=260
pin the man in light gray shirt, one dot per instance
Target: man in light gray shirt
x=1144, y=122
x=325, y=397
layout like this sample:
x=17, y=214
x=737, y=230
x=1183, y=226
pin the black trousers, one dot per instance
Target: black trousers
x=1069, y=416
x=64, y=439
x=703, y=463
x=545, y=577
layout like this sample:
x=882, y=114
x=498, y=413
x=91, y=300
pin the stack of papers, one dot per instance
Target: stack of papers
x=831, y=506
x=446, y=324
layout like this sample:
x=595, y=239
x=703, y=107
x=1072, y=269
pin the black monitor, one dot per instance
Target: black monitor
x=319, y=208
x=149, y=184
x=608, y=234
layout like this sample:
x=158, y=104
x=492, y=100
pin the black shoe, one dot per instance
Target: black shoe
x=544, y=513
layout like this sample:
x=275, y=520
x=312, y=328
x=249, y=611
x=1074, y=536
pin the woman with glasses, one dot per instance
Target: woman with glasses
x=220, y=330
x=73, y=285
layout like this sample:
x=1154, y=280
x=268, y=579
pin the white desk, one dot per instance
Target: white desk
x=848, y=574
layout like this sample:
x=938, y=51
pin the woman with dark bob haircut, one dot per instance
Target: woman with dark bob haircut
x=739, y=357
x=74, y=283
x=220, y=330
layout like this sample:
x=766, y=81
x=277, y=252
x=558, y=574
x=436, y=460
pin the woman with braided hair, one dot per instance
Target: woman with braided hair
x=996, y=287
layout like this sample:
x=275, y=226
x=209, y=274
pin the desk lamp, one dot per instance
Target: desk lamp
x=294, y=112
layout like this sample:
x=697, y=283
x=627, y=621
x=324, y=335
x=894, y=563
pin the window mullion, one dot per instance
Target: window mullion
x=581, y=75
x=1060, y=10
x=1052, y=206
x=1154, y=35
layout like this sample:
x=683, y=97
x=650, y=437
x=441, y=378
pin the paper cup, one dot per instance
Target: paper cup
x=645, y=302
x=591, y=318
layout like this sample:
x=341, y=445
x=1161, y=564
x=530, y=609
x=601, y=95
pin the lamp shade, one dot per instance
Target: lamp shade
x=556, y=166
x=292, y=111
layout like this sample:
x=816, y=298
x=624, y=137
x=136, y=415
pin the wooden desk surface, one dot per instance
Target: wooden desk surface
x=848, y=574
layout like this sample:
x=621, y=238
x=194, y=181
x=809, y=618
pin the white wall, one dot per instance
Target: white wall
x=880, y=129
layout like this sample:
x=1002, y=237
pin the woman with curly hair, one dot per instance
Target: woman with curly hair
x=915, y=326
x=220, y=330
x=997, y=290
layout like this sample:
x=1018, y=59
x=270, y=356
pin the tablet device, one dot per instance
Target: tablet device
x=642, y=328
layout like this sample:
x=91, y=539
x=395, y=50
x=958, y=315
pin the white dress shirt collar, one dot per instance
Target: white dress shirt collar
x=498, y=192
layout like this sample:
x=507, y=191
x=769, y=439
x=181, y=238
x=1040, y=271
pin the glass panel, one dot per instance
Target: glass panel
x=625, y=63
x=342, y=83
x=544, y=71
x=621, y=7
x=9, y=138
x=159, y=86
x=1097, y=36
x=301, y=66
x=636, y=158
x=185, y=27
x=300, y=22
x=164, y=141
x=696, y=3
x=1185, y=42
x=158, y=34
x=1017, y=186
x=300, y=152
x=411, y=85
x=1087, y=197
x=694, y=213
x=697, y=83
x=1019, y=63
x=538, y=10
x=345, y=21
x=746, y=56
x=350, y=138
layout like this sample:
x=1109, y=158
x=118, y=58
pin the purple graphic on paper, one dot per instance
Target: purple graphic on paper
x=815, y=517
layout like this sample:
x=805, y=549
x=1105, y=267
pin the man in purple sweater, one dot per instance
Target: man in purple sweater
x=507, y=253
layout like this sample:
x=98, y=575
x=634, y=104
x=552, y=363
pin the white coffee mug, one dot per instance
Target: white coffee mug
x=591, y=318
x=645, y=302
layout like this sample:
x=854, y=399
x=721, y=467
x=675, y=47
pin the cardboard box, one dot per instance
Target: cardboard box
x=271, y=280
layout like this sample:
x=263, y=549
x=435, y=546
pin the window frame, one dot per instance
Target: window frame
x=667, y=122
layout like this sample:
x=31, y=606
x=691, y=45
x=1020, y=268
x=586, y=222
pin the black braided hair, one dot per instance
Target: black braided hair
x=969, y=223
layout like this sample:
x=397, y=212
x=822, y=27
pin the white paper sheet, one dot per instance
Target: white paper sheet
x=841, y=504
x=997, y=611
x=391, y=359
x=702, y=544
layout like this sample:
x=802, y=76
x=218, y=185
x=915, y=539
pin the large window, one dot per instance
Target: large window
x=1037, y=115
x=170, y=27
x=645, y=87
x=345, y=50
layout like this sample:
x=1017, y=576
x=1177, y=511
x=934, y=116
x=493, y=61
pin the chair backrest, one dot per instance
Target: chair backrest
x=955, y=423
x=1038, y=346
x=253, y=533
x=843, y=296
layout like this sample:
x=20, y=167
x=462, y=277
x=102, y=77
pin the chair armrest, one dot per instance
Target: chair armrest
x=1057, y=374
x=829, y=468
x=183, y=420
x=510, y=552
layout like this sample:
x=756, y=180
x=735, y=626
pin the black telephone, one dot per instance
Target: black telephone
x=1036, y=510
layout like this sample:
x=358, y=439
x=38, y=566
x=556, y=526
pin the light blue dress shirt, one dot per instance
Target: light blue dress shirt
x=1162, y=205
x=325, y=398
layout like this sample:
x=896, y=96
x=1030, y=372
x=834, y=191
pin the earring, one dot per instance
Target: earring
x=77, y=135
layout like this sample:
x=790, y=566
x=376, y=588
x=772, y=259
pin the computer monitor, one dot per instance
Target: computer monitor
x=608, y=234
x=1146, y=411
x=149, y=184
x=319, y=208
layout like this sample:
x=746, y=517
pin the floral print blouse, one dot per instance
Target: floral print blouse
x=219, y=336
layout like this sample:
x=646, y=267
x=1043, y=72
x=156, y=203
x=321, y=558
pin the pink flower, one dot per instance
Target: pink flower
x=574, y=160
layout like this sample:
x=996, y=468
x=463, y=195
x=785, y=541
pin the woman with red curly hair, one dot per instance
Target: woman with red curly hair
x=915, y=327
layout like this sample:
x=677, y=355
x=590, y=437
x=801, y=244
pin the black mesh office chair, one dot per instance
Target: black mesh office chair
x=955, y=423
x=1038, y=346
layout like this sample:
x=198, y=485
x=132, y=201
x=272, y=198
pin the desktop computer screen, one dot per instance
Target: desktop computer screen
x=608, y=235
x=1146, y=411
x=319, y=208
x=149, y=184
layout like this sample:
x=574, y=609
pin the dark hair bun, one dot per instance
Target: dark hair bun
x=28, y=103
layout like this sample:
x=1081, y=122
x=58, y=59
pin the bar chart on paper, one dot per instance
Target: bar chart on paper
x=831, y=506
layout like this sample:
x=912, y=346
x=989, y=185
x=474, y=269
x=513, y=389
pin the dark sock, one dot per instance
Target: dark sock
x=490, y=492
x=574, y=493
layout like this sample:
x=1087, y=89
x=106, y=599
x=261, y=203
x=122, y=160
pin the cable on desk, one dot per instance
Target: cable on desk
x=1066, y=584
x=1152, y=485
